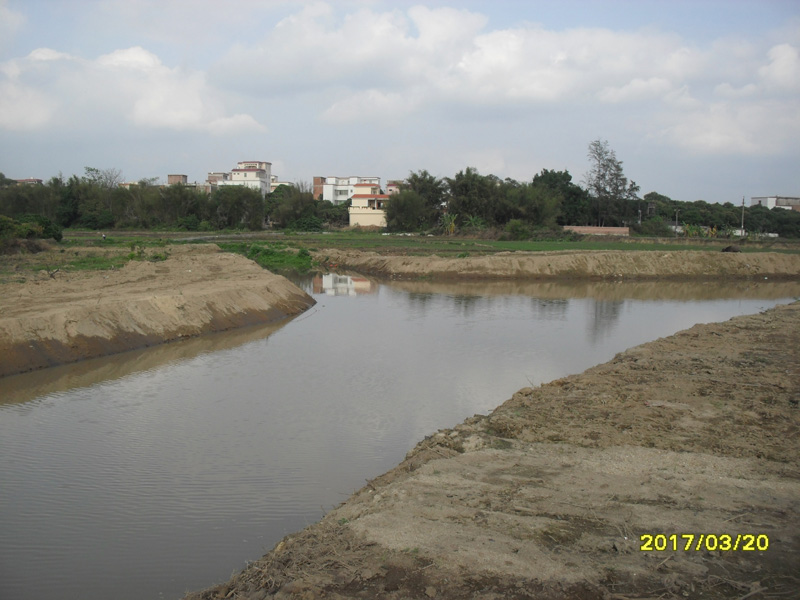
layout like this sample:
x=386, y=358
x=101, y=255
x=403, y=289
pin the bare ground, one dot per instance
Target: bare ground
x=54, y=319
x=548, y=496
x=572, y=264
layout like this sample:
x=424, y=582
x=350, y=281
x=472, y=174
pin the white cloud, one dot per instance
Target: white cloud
x=52, y=89
x=11, y=22
x=23, y=108
x=47, y=54
x=445, y=55
x=372, y=105
x=636, y=90
x=379, y=67
x=783, y=70
x=736, y=129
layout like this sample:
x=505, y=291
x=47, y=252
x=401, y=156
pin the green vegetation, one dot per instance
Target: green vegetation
x=467, y=204
x=277, y=257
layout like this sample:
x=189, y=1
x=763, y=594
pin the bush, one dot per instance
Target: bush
x=189, y=223
x=309, y=223
x=516, y=229
x=653, y=227
x=48, y=228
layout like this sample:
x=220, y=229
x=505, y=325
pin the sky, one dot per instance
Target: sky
x=700, y=100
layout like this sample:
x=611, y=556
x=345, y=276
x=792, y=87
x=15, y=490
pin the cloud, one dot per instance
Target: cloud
x=55, y=90
x=11, y=22
x=23, y=108
x=764, y=128
x=377, y=67
x=783, y=70
x=445, y=55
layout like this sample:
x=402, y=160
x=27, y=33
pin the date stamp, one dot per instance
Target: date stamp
x=744, y=542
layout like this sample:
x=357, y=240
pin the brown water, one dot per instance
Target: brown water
x=152, y=473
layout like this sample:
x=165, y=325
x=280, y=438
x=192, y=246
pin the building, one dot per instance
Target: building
x=367, y=208
x=274, y=184
x=341, y=189
x=254, y=174
x=393, y=186
x=177, y=179
x=29, y=181
x=786, y=202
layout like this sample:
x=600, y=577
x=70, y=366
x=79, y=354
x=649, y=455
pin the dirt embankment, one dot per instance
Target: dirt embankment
x=74, y=316
x=611, y=264
x=694, y=435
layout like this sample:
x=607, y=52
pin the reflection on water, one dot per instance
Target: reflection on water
x=152, y=473
x=333, y=284
x=27, y=386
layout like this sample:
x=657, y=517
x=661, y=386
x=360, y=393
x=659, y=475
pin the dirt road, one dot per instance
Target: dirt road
x=549, y=496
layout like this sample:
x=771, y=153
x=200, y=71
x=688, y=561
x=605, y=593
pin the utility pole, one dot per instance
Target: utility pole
x=676, y=222
x=742, y=232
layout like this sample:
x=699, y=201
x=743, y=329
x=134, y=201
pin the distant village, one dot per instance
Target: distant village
x=365, y=193
x=367, y=197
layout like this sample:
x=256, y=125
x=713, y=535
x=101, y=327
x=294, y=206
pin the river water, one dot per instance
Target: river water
x=158, y=472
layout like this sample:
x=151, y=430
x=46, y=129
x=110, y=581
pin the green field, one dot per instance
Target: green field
x=422, y=245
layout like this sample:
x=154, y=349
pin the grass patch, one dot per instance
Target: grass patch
x=276, y=257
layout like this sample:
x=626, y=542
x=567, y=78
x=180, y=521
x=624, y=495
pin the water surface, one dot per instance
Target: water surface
x=153, y=473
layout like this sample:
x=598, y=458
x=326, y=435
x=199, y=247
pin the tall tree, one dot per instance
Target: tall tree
x=607, y=184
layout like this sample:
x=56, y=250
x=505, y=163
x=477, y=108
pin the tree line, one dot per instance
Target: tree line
x=467, y=202
x=97, y=201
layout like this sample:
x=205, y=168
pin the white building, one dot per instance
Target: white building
x=341, y=189
x=254, y=174
x=770, y=202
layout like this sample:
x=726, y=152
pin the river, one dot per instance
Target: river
x=162, y=471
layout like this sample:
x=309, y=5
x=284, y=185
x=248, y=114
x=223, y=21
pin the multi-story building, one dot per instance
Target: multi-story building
x=341, y=189
x=254, y=174
x=368, y=206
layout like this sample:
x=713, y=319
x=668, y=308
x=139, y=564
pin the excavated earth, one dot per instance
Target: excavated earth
x=692, y=439
x=571, y=264
x=550, y=495
x=68, y=317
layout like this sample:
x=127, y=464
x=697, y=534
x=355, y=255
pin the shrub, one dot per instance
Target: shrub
x=189, y=223
x=49, y=229
x=516, y=229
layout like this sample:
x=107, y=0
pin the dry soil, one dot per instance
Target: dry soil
x=65, y=316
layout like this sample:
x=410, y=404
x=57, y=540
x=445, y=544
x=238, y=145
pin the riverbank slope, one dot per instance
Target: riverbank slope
x=69, y=316
x=697, y=434
x=571, y=264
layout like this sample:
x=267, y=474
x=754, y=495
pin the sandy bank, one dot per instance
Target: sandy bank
x=572, y=264
x=74, y=316
x=548, y=497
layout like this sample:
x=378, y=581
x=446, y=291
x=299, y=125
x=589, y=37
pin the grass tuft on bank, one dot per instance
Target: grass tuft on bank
x=275, y=257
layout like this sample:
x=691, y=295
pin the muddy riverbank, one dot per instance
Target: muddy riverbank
x=549, y=496
x=65, y=317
